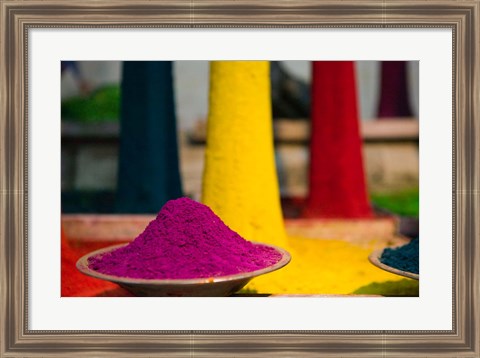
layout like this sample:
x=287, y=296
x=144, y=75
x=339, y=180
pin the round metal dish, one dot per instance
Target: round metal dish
x=374, y=258
x=196, y=287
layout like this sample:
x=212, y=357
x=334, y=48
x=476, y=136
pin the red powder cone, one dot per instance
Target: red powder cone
x=73, y=282
x=394, y=90
x=337, y=183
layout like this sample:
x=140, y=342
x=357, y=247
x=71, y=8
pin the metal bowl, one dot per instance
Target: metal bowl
x=196, y=287
x=374, y=258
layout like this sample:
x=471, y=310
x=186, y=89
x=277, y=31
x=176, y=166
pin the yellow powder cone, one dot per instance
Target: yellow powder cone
x=240, y=182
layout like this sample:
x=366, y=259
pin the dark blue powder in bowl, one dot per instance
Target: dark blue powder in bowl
x=403, y=258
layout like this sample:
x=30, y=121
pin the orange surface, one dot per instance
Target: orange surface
x=76, y=284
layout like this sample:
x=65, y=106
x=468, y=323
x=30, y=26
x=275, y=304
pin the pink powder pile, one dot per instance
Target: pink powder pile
x=186, y=240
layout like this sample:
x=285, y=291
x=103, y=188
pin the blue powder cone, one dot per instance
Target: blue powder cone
x=148, y=174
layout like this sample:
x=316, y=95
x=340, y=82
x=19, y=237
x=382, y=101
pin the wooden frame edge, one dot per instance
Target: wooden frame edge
x=18, y=16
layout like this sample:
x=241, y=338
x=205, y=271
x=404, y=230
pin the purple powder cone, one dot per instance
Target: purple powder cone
x=186, y=240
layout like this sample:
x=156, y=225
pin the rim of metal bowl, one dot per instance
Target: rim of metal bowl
x=82, y=266
x=374, y=258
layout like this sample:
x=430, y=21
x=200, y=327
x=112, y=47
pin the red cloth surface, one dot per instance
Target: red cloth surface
x=76, y=284
x=337, y=183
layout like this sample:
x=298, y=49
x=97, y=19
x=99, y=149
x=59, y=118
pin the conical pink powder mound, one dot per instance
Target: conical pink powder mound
x=186, y=240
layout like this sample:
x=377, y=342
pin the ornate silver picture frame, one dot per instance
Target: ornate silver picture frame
x=19, y=17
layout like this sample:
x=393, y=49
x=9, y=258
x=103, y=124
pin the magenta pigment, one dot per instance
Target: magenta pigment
x=186, y=240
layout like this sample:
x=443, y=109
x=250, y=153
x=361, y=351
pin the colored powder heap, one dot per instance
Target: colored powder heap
x=240, y=180
x=404, y=258
x=337, y=187
x=322, y=266
x=186, y=240
x=74, y=283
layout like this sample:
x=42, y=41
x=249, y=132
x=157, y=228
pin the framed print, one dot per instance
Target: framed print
x=205, y=42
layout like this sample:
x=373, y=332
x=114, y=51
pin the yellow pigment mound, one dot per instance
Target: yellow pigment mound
x=240, y=182
x=324, y=266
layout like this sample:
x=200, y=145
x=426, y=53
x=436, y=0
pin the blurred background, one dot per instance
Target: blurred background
x=91, y=131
